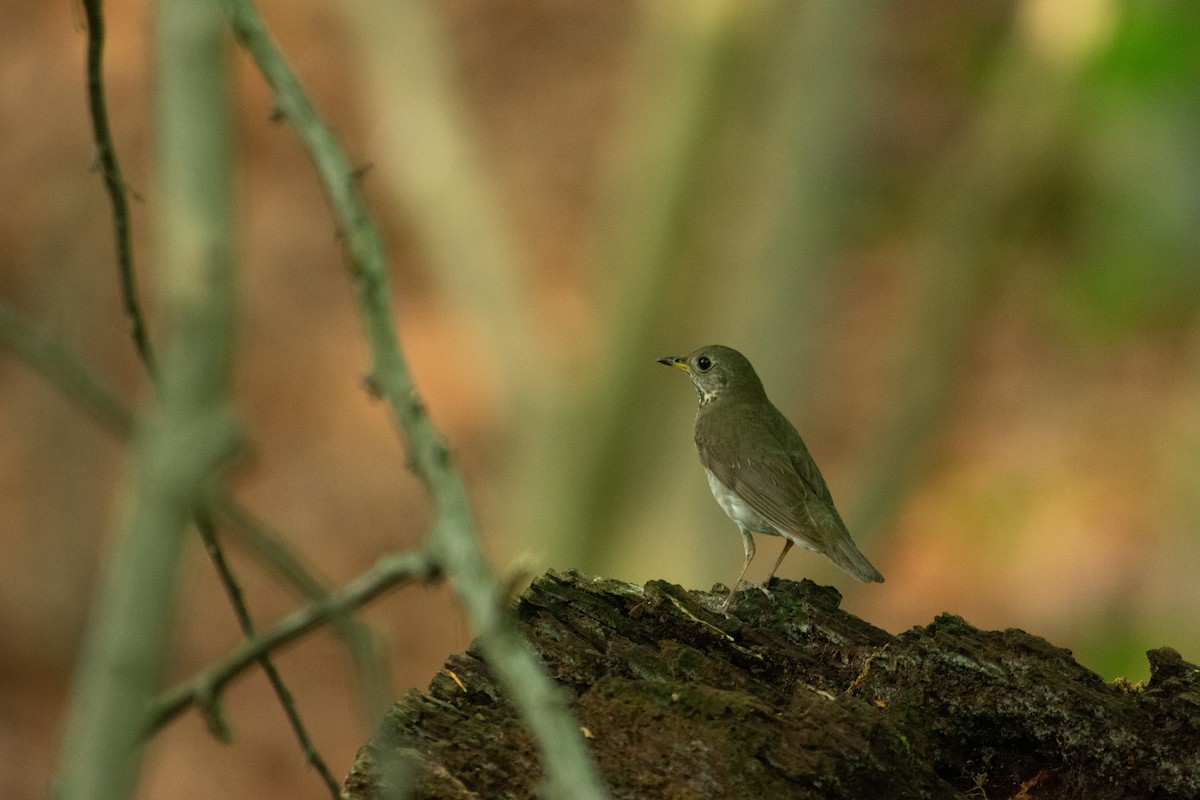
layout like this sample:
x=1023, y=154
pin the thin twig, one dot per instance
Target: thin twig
x=106, y=155
x=370, y=659
x=452, y=542
x=208, y=533
x=388, y=572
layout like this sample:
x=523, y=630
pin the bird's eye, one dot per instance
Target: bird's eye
x=704, y=363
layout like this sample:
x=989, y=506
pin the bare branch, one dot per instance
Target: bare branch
x=371, y=663
x=106, y=155
x=389, y=572
x=233, y=589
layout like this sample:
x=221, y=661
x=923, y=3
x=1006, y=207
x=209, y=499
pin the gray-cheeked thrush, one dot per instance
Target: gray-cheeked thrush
x=758, y=468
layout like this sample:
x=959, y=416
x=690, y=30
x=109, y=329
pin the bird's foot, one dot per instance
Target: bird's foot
x=742, y=586
x=727, y=606
x=762, y=587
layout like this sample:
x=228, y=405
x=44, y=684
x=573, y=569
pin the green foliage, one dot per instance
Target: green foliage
x=1136, y=245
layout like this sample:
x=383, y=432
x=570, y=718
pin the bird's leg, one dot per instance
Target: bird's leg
x=787, y=545
x=748, y=545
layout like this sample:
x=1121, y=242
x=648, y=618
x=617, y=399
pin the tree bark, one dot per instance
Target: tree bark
x=793, y=697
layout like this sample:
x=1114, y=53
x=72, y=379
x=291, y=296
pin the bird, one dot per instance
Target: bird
x=759, y=469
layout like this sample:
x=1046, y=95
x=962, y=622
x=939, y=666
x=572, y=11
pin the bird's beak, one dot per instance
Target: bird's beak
x=676, y=362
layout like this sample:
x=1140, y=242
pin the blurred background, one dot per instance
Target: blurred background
x=960, y=242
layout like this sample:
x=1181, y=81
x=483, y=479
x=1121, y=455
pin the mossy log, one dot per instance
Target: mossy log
x=793, y=697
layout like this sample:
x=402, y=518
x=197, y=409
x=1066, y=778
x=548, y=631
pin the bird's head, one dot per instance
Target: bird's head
x=717, y=371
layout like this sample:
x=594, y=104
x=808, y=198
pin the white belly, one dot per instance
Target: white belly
x=737, y=509
x=743, y=515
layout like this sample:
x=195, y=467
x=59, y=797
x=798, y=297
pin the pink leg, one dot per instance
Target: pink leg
x=787, y=545
x=748, y=545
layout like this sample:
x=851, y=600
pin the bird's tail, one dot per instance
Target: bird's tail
x=843, y=553
x=839, y=548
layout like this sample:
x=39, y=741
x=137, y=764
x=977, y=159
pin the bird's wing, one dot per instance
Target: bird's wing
x=778, y=479
x=781, y=482
x=797, y=453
